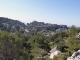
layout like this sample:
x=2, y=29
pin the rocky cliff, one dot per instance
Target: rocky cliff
x=75, y=56
x=11, y=25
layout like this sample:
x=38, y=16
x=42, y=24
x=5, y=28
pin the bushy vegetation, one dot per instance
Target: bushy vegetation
x=30, y=46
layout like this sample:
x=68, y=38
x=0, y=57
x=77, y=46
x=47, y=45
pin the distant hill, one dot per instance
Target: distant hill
x=36, y=26
x=11, y=25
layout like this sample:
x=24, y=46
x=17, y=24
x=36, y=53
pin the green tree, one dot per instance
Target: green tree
x=72, y=31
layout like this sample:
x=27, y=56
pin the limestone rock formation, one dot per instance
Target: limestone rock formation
x=75, y=56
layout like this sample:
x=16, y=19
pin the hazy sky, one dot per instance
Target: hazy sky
x=49, y=11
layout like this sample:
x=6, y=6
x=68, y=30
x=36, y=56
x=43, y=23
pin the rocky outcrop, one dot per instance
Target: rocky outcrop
x=11, y=25
x=75, y=56
x=36, y=26
x=54, y=52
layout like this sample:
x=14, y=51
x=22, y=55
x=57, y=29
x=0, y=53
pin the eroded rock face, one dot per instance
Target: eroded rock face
x=55, y=53
x=75, y=56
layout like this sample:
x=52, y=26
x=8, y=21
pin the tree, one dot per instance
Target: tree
x=72, y=31
x=13, y=47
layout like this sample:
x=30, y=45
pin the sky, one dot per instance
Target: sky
x=65, y=12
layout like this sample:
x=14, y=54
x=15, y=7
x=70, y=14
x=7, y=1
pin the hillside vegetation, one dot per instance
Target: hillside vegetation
x=30, y=46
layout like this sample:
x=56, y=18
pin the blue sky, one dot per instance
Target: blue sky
x=48, y=11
